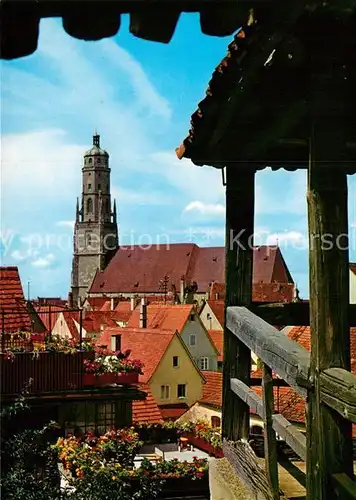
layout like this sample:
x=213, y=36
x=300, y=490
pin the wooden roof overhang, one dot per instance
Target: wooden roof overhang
x=257, y=108
x=153, y=20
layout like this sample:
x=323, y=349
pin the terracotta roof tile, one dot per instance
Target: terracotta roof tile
x=96, y=303
x=139, y=270
x=173, y=412
x=146, y=411
x=72, y=318
x=166, y=317
x=95, y=321
x=149, y=346
x=218, y=308
x=122, y=311
x=217, y=337
x=12, y=301
x=212, y=389
x=261, y=292
x=48, y=314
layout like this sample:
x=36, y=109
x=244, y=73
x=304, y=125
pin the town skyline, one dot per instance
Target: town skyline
x=140, y=101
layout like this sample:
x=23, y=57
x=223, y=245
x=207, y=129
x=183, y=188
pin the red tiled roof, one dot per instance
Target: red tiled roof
x=12, y=301
x=217, y=337
x=48, y=314
x=106, y=306
x=147, y=345
x=146, y=411
x=96, y=303
x=261, y=292
x=287, y=401
x=94, y=321
x=122, y=311
x=353, y=267
x=218, y=308
x=172, y=412
x=71, y=318
x=166, y=317
x=139, y=270
x=212, y=389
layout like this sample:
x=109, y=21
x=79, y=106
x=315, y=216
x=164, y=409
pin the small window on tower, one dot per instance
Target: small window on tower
x=99, y=187
x=99, y=160
x=90, y=160
x=89, y=205
x=89, y=187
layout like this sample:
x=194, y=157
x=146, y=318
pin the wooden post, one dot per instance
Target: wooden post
x=329, y=434
x=240, y=189
x=269, y=434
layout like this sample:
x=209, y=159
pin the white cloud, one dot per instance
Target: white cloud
x=145, y=92
x=17, y=255
x=291, y=239
x=44, y=261
x=66, y=223
x=207, y=209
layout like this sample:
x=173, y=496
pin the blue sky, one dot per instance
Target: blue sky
x=139, y=95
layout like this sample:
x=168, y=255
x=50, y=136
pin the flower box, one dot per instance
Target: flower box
x=203, y=445
x=93, y=379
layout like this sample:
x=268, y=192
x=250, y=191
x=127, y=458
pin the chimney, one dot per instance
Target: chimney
x=116, y=343
x=182, y=286
x=143, y=313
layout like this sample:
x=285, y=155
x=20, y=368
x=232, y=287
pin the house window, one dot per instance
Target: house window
x=191, y=317
x=181, y=392
x=164, y=391
x=215, y=421
x=105, y=416
x=175, y=361
x=89, y=187
x=192, y=339
x=204, y=363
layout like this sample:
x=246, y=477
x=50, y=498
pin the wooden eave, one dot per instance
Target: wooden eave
x=92, y=20
x=259, y=114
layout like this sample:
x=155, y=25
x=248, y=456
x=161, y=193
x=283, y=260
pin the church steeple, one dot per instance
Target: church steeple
x=96, y=232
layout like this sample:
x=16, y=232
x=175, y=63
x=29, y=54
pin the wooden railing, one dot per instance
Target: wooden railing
x=291, y=362
x=42, y=372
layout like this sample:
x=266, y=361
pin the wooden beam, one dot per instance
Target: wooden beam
x=275, y=349
x=329, y=436
x=240, y=203
x=247, y=395
x=270, y=443
x=243, y=459
x=344, y=487
x=294, y=438
x=338, y=391
x=293, y=314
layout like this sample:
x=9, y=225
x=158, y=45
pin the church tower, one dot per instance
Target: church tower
x=95, y=230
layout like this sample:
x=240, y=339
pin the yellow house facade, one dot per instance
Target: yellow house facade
x=177, y=378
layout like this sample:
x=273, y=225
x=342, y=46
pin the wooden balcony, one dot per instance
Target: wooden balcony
x=42, y=372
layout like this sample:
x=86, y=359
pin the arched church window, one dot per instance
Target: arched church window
x=89, y=240
x=89, y=205
x=90, y=160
